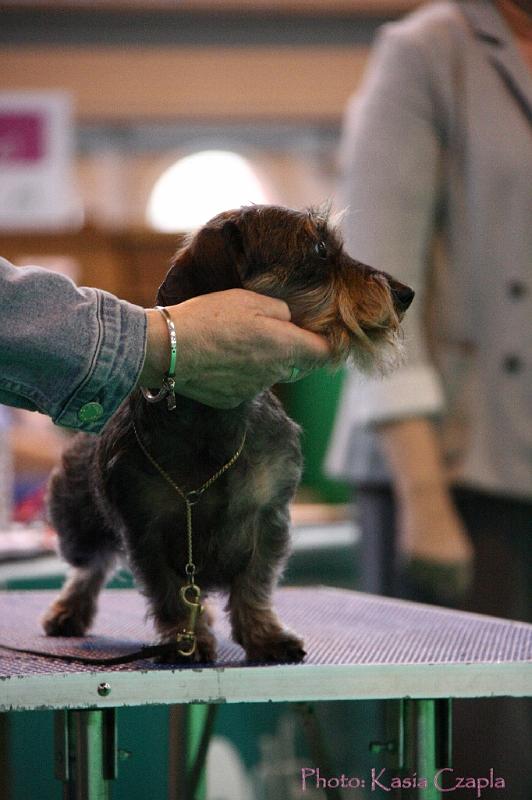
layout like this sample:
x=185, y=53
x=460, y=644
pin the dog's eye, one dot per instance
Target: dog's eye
x=321, y=250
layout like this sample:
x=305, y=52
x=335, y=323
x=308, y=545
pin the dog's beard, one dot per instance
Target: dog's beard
x=386, y=355
x=372, y=323
x=330, y=309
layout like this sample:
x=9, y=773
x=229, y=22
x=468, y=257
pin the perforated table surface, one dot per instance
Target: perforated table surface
x=358, y=647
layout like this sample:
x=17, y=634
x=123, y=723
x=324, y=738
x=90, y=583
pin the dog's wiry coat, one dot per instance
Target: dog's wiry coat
x=107, y=500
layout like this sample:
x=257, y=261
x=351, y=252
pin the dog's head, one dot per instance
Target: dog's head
x=298, y=257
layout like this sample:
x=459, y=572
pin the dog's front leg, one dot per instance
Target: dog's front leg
x=255, y=625
x=73, y=611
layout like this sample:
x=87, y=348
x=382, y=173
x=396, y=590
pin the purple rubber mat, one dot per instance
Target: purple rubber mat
x=339, y=627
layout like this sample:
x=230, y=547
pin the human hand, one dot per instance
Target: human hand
x=438, y=556
x=230, y=346
x=437, y=551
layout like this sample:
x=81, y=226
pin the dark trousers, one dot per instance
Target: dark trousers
x=493, y=733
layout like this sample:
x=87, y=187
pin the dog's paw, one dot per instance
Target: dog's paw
x=281, y=648
x=61, y=620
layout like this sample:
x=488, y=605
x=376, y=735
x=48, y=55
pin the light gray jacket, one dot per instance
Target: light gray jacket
x=72, y=353
x=437, y=148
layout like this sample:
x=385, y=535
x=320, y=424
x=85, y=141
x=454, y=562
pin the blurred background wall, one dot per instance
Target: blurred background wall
x=150, y=87
x=263, y=83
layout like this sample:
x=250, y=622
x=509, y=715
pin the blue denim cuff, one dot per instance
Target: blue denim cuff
x=114, y=368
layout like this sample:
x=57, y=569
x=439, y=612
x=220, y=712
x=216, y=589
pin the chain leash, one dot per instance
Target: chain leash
x=190, y=593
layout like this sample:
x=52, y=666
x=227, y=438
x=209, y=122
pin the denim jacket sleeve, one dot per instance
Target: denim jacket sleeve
x=63, y=347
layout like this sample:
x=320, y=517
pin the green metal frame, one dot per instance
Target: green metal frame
x=86, y=748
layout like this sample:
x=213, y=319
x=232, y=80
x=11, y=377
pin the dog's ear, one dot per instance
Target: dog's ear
x=211, y=262
x=233, y=232
x=234, y=239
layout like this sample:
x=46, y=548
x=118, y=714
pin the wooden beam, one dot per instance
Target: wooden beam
x=288, y=82
x=303, y=7
x=130, y=264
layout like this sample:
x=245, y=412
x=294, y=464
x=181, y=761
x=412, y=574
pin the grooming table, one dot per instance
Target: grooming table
x=360, y=647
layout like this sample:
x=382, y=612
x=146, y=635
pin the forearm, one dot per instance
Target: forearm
x=430, y=527
x=64, y=348
x=157, y=356
x=413, y=453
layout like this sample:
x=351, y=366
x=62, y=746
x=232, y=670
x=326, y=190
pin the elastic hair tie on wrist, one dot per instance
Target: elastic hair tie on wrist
x=168, y=388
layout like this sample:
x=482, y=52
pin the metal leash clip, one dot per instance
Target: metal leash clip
x=187, y=637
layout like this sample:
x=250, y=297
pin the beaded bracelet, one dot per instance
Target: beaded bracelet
x=168, y=388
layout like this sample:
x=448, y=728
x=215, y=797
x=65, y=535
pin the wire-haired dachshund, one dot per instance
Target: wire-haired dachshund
x=108, y=499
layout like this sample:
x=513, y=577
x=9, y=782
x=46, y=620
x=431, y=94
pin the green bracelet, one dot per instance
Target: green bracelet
x=168, y=388
x=173, y=339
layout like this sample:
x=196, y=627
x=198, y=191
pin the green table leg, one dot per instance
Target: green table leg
x=191, y=729
x=424, y=743
x=5, y=766
x=85, y=753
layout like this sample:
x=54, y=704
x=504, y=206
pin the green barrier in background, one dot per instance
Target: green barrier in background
x=312, y=403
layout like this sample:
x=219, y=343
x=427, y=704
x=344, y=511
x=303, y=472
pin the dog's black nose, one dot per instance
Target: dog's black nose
x=402, y=295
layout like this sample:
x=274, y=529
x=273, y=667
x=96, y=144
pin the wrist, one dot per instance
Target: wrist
x=426, y=497
x=156, y=359
x=423, y=487
x=426, y=505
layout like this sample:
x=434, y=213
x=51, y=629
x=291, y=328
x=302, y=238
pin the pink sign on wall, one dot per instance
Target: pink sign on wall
x=37, y=135
x=21, y=137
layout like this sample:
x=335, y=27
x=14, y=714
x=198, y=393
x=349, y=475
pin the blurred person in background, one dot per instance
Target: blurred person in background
x=6, y=471
x=437, y=181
